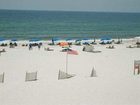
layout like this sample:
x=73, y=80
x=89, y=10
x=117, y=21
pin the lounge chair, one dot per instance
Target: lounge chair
x=48, y=49
x=110, y=47
x=3, y=50
x=130, y=46
x=66, y=49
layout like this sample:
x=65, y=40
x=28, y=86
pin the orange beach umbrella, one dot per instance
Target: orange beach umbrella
x=62, y=44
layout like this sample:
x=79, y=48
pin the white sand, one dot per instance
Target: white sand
x=115, y=83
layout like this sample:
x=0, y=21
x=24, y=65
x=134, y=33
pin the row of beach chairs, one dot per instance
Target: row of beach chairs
x=32, y=76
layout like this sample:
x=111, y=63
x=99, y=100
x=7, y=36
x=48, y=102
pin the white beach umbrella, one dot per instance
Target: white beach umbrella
x=87, y=40
x=137, y=39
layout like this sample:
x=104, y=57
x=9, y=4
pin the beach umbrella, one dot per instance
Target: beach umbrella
x=2, y=39
x=57, y=40
x=105, y=38
x=137, y=39
x=63, y=44
x=70, y=40
x=78, y=40
x=13, y=40
x=34, y=40
x=87, y=40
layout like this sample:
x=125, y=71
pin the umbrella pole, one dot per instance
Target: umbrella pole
x=67, y=63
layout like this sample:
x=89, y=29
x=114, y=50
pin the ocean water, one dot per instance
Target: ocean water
x=48, y=24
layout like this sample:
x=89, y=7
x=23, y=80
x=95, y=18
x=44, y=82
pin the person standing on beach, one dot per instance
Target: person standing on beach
x=30, y=46
x=39, y=46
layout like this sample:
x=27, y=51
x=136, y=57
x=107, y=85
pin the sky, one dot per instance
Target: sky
x=73, y=5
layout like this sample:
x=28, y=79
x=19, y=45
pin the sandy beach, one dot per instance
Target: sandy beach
x=115, y=83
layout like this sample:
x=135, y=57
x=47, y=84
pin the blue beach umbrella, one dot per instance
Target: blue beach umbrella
x=86, y=39
x=78, y=40
x=2, y=39
x=69, y=39
x=13, y=40
x=34, y=40
x=105, y=38
x=55, y=39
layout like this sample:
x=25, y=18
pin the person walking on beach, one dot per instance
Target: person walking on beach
x=30, y=46
x=39, y=46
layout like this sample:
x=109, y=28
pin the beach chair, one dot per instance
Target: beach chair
x=31, y=76
x=130, y=46
x=48, y=49
x=64, y=75
x=136, y=66
x=3, y=50
x=93, y=73
x=110, y=47
x=2, y=78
